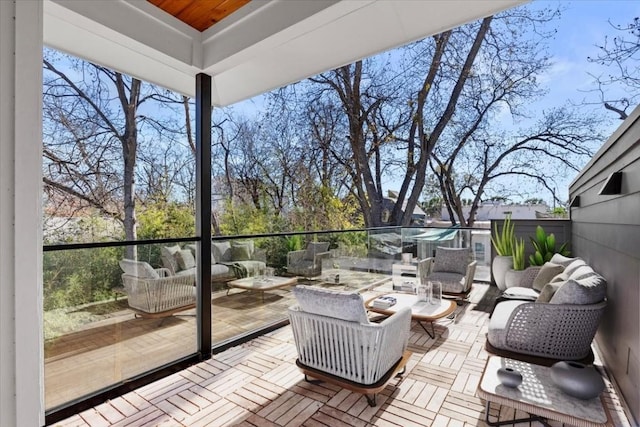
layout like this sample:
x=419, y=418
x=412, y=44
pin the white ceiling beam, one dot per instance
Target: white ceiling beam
x=262, y=46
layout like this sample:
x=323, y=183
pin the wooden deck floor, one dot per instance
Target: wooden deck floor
x=258, y=384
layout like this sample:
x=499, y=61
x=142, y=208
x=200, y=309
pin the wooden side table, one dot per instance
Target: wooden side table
x=538, y=396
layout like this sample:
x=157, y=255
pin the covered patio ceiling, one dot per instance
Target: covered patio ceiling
x=261, y=46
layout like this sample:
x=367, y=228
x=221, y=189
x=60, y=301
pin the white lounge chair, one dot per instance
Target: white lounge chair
x=337, y=343
x=155, y=292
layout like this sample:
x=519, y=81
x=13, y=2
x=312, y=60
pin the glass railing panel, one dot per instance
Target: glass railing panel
x=93, y=338
x=251, y=289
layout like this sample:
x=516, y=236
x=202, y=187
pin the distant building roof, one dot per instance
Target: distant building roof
x=490, y=211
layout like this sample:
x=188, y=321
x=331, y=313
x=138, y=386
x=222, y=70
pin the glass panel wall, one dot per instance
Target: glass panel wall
x=102, y=328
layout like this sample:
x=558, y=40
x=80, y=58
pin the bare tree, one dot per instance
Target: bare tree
x=92, y=117
x=449, y=88
x=621, y=54
x=497, y=164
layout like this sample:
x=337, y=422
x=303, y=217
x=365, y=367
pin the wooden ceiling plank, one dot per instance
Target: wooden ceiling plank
x=199, y=14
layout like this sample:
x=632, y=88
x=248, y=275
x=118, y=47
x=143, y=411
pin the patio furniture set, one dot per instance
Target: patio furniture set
x=552, y=317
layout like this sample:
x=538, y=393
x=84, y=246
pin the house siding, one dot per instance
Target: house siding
x=606, y=233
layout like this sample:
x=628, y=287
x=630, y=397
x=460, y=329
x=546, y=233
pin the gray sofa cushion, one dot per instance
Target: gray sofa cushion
x=314, y=248
x=221, y=251
x=451, y=260
x=167, y=254
x=548, y=291
x=343, y=305
x=590, y=290
x=220, y=271
x=194, y=250
x=240, y=251
x=185, y=259
x=547, y=272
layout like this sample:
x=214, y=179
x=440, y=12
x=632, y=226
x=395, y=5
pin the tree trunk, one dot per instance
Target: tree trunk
x=129, y=151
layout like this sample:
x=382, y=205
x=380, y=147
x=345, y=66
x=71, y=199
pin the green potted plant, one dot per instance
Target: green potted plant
x=545, y=247
x=502, y=240
x=513, y=276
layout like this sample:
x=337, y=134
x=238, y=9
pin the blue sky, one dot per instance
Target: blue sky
x=583, y=25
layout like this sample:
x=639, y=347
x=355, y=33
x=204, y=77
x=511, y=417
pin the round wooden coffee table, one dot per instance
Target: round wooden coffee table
x=420, y=311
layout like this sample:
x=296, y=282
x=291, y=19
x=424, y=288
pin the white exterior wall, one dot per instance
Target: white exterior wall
x=21, y=348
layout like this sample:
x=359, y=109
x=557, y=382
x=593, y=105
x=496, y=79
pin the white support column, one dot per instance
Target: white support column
x=21, y=345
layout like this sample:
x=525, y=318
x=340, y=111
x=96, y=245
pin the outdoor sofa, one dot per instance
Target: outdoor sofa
x=229, y=260
x=553, y=317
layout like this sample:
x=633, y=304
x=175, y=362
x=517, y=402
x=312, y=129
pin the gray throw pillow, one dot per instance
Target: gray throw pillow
x=221, y=251
x=240, y=252
x=547, y=272
x=343, y=305
x=185, y=259
x=548, y=291
x=590, y=290
x=314, y=248
x=167, y=254
x=452, y=260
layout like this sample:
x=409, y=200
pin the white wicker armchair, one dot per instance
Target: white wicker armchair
x=155, y=292
x=336, y=342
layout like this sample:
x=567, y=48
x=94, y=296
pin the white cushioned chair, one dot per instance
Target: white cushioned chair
x=454, y=268
x=337, y=343
x=155, y=292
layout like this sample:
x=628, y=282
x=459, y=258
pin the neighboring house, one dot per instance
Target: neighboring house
x=489, y=211
x=419, y=217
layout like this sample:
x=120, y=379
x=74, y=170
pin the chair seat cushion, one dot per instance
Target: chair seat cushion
x=343, y=305
x=497, y=334
x=301, y=267
x=451, y=282
x=518, y=291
